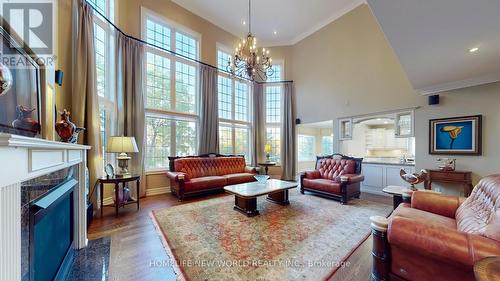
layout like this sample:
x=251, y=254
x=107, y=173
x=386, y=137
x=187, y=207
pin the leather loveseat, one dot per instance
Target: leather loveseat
x=201, y=174
x=438, y=237
x=337, y=177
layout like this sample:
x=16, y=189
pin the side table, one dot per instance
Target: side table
x=116, y=181
x=463, y=178
x=266, y=165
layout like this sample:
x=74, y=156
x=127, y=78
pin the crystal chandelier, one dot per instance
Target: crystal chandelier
x=248, y=61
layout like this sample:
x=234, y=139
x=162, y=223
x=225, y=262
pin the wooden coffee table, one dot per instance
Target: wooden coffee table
x=245, y=194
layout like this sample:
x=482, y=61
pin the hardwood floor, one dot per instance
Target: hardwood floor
x=137, y=252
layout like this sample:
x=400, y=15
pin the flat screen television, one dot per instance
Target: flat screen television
x=20, y=100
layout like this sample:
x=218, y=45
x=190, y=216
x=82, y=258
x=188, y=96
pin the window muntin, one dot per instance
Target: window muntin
x=158, y=34
x=158, y=95
x=273, y=137
x=327, y=145
x=273, y=98
x=277, y=74
x=241, y=102
x=225, y=139
x=225, y=90
x=273, y=104
x=171, y=93
x=222, y=59
x=306, y=148
x=101, y=57
x=186, y=45
x=104, y=49
x=185, y=87
x=158, y=142
x=234, y=111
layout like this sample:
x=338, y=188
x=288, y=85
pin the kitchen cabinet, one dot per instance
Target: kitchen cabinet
x=378, y=176
x=405, y=124
x=383, y=138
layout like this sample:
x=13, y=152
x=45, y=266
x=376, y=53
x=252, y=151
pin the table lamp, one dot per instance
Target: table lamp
x=267, y=149
x=122, y=145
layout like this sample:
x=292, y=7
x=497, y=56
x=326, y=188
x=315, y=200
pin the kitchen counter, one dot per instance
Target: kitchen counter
x=388, y=162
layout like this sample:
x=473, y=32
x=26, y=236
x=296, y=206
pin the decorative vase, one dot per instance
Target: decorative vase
x=25, y=123
x=65, y=128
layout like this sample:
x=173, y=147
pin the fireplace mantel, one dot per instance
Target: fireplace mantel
x=21, y=159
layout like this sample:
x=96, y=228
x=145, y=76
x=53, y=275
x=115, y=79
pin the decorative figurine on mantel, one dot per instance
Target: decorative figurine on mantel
x=414, y=178
x=446, y=164
x=67, y=130
x=24, y=122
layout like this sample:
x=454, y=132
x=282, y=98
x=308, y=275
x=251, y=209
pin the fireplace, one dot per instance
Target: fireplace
x=48, y=223
x=42, y=207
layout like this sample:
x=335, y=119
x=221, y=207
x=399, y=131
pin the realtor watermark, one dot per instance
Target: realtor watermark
x=284, y=263
x=32, y=22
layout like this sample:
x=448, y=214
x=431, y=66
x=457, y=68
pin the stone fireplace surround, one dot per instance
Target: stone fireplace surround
x=22, y=159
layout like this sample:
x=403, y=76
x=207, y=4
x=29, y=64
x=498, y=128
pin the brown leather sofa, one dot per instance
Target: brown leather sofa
x=338, y=177
x=438, y=237
x=195, y=175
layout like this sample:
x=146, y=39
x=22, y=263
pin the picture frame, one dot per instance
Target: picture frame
x=110, y=171
x=456, y=136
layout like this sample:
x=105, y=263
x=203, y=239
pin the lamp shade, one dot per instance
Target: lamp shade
x=268, y=148
x=122, y=144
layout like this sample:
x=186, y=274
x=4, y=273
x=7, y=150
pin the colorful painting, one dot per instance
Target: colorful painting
x=456, y=136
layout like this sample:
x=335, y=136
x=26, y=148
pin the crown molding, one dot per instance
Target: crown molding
x=454, y=85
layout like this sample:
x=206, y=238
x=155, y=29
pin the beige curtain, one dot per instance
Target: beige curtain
x=85, y=107
x=130, y=101
x=259, y=125
x=209, y=111
x=288, y=151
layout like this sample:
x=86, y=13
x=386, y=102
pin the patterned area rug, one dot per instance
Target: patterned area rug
x=307, y=240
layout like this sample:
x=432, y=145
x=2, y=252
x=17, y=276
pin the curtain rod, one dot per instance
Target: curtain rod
x=172, y=52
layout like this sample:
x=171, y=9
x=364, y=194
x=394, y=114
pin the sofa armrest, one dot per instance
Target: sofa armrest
x=352, y=178
x=253, y=170
x=435, y=203
x=311, y=174
x=440, y=243
x=177, y=176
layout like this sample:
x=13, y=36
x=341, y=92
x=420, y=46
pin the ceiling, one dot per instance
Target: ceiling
x=432, y=40
x=293, y=20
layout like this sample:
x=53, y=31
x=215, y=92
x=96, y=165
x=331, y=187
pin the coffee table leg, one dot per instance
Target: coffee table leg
x=279, y=197
x=247, y=206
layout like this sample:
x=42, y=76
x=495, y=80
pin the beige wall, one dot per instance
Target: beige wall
x=348, y=68
x=63, y=53
x=483, y=100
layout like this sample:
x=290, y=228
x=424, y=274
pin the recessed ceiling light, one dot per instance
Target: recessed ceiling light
x=244, y=23
x=473, y=50
x=275, y=32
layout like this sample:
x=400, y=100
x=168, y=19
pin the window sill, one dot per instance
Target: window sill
x=156, y=172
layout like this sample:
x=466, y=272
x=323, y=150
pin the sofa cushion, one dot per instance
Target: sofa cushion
x=480, y=213
x=205, y=183
x=196, y=167
x=405, y=210
x=332, y=169
x=239, y=178
x=322, y=185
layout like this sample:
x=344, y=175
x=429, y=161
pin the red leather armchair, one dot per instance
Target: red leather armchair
x=203, y=174
x=336, y=177
x=439, y=237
